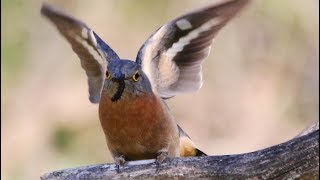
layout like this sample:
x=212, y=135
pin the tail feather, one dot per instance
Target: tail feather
x=187, y=147
x=200, y=153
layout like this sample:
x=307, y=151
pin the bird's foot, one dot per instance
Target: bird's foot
x=162, y=155
x=119, y=161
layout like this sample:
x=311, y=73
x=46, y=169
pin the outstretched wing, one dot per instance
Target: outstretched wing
x=94, y=54
x=172, y=56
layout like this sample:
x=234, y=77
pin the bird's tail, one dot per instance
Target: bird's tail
x=200, y=153
x=187, y=147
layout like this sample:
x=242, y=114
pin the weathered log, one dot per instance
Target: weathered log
x=297, y=158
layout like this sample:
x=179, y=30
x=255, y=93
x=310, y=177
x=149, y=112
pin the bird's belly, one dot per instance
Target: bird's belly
x=138, y=129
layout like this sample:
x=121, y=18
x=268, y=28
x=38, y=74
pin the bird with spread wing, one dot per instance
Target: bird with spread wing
x=131, y=94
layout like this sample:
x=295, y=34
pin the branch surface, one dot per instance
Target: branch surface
x=297, y=158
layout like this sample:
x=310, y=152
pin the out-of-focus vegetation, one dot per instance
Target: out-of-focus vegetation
x=260, y=81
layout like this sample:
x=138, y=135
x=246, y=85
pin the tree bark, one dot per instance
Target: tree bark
x=295, y=159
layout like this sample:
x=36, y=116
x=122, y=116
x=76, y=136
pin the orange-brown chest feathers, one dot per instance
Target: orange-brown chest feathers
x=138, y=127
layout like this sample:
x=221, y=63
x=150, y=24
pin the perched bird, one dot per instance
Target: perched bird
x=133, y=113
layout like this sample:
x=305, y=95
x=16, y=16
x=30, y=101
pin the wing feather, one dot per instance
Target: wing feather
x=172, y=56
x=90, y=48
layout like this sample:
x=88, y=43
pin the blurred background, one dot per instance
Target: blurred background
x=261, y=80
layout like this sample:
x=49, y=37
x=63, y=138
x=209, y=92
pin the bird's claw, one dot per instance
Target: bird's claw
x=160, y=158
x=119, y=161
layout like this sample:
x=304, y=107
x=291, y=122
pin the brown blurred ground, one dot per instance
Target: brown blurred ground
x=260, y=81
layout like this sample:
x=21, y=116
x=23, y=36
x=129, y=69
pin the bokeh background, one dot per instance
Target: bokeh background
x=261, y=80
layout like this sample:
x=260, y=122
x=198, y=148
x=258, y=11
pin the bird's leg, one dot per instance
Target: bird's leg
x=162, y=155
x=119, y=161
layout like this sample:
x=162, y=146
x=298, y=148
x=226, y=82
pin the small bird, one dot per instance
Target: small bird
x=134, y=116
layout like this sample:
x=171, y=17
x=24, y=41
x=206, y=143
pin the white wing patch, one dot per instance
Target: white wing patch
x=184, y=24
x=92, y=38
x=84, y=33
x=148, y=55
x=183, y=41
x=169, y=72
x=87, y=34
x=90, y=49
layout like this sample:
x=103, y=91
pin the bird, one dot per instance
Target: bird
x=132, y=94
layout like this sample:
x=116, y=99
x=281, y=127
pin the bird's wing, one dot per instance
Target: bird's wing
x=94, y=54
x=172, y=56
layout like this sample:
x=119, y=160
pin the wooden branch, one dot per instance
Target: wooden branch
x=309, y=129
x=297, y=158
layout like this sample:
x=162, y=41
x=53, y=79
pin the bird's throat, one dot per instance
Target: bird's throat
x=120, y=89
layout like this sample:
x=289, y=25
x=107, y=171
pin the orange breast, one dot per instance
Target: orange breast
x=138, y=127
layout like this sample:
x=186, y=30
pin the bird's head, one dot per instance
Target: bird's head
x=125, y=79
x=170, y=59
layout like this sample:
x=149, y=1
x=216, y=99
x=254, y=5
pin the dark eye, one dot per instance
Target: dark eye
x=136, y=76
x=107, y=75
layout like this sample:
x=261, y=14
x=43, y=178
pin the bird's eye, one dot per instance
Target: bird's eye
x=107, y=75
x=136, y=76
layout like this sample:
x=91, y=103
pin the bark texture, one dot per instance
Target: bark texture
x=295, y=159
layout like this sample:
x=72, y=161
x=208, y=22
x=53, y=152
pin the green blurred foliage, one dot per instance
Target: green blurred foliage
x=62, y=138
x=15, y=38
